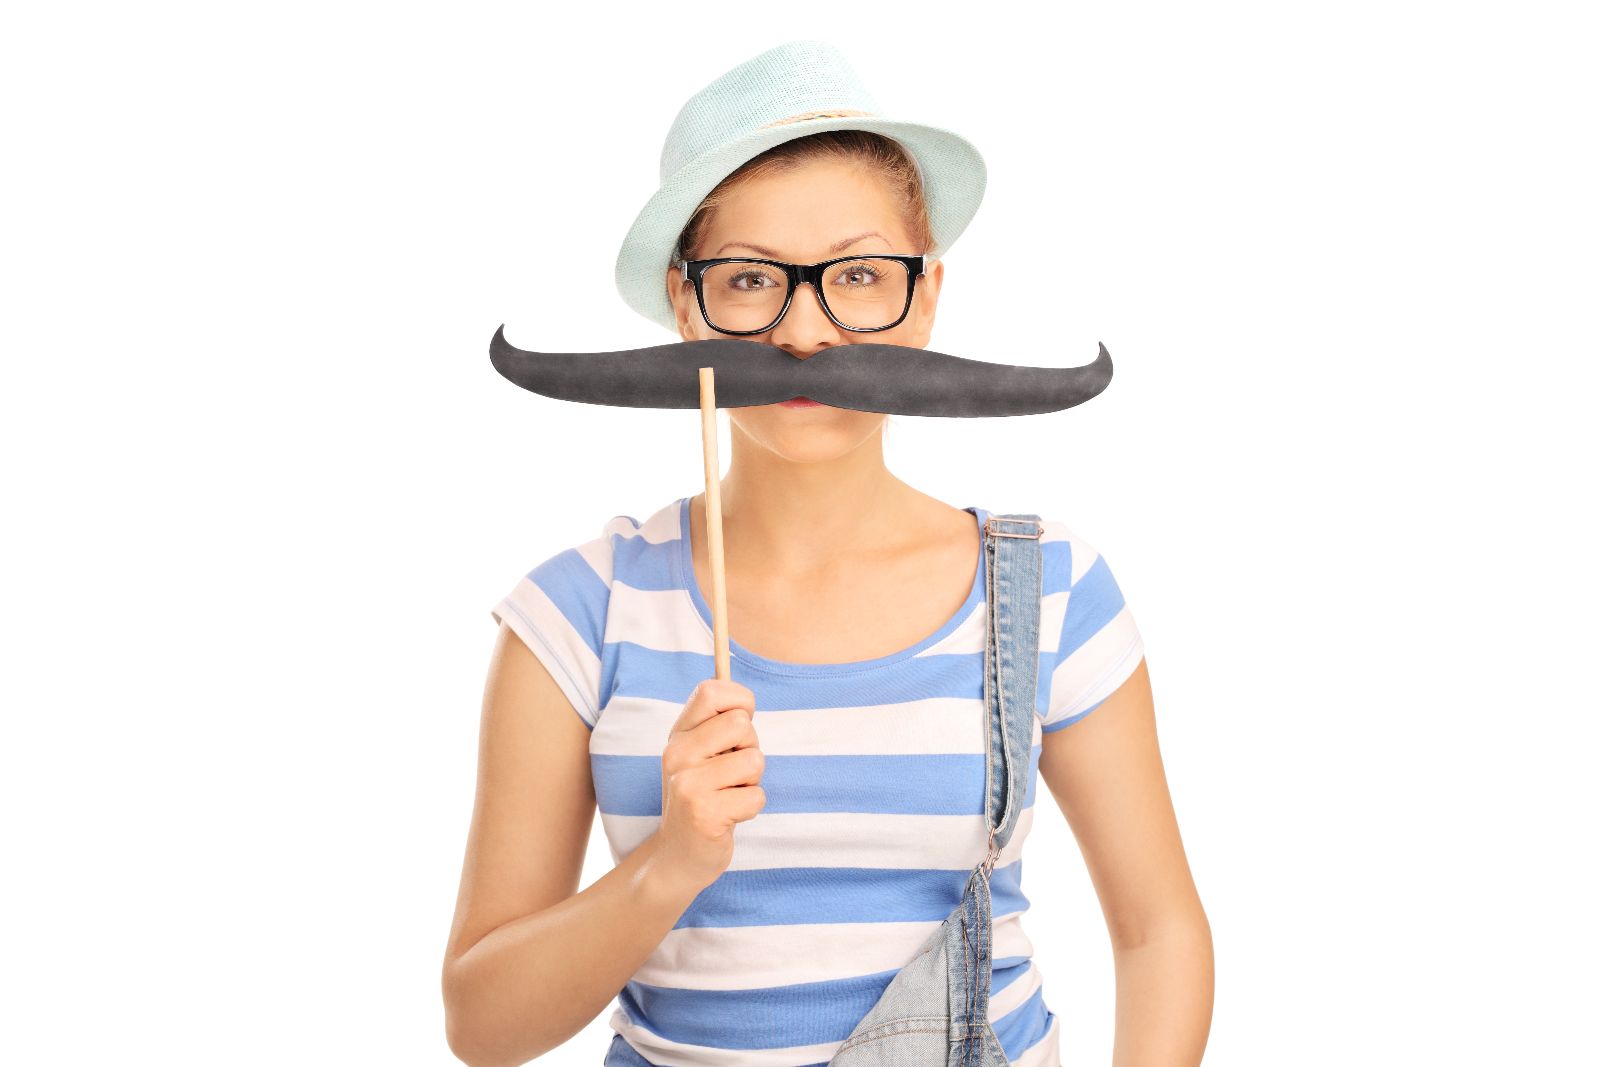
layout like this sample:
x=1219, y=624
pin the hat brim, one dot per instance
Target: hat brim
x=953, y=178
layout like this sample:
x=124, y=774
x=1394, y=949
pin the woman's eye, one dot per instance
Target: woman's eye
x=751, y=280
x=856, y=277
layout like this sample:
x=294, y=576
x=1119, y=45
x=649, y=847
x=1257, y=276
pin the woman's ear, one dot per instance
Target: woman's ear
x=927, y=301
x=681, y=293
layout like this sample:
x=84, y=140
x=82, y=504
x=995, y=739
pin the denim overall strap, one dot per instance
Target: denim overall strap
x=1010, y=667
x=1010, y=685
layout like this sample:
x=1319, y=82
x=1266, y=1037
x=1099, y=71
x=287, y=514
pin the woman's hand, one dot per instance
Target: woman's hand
x=710, y=780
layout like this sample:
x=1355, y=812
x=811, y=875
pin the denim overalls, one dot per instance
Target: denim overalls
x=935, y=1012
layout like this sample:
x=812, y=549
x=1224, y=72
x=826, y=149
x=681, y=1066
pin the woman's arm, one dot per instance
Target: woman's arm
x=530, y=960
x=1106, y=775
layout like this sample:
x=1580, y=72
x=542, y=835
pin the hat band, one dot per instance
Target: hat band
x=838, y=113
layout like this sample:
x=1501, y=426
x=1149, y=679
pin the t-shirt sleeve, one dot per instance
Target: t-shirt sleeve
x=1099, y=645
x=558, y=609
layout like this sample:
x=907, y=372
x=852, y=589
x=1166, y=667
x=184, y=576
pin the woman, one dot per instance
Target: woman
x=855, y=613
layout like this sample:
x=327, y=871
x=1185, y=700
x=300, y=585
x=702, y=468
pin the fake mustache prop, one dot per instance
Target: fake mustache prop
x=894, y=379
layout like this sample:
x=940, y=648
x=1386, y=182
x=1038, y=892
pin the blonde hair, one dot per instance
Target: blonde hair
x=882, y=154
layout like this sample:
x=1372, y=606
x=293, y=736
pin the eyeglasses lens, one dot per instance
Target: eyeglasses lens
x=864, y=294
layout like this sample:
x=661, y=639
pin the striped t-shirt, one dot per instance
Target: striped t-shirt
x=874, y=778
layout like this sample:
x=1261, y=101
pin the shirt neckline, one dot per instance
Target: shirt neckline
x=683, y=566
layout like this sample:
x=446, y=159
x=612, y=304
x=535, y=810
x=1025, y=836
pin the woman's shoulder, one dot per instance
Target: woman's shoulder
x=1069, y=555
x=616, y=539
x=562, y=607
x=642, y=551
x=1087, y=629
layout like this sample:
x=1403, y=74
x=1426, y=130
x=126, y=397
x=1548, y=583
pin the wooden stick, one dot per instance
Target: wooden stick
x=719, y=588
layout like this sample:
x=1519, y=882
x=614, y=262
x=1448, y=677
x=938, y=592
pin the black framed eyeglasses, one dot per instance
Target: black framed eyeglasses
x=862, y=294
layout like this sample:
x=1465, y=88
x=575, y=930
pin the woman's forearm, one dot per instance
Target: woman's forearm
x=1164, y=997
x=530, y=984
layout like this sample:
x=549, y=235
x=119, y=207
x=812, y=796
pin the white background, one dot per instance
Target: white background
x=262, y=484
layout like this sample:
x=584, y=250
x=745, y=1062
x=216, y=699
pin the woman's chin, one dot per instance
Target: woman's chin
x=808, y=434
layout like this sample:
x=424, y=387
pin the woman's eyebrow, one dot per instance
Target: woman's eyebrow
x=837, y=246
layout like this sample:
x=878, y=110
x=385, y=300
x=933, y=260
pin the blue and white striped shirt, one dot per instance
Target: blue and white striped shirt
x=874, y=778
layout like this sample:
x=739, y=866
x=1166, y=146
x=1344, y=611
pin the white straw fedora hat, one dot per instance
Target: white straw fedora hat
x=795, y=89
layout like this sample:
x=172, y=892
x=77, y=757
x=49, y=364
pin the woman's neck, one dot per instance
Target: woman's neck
x=804, y=514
